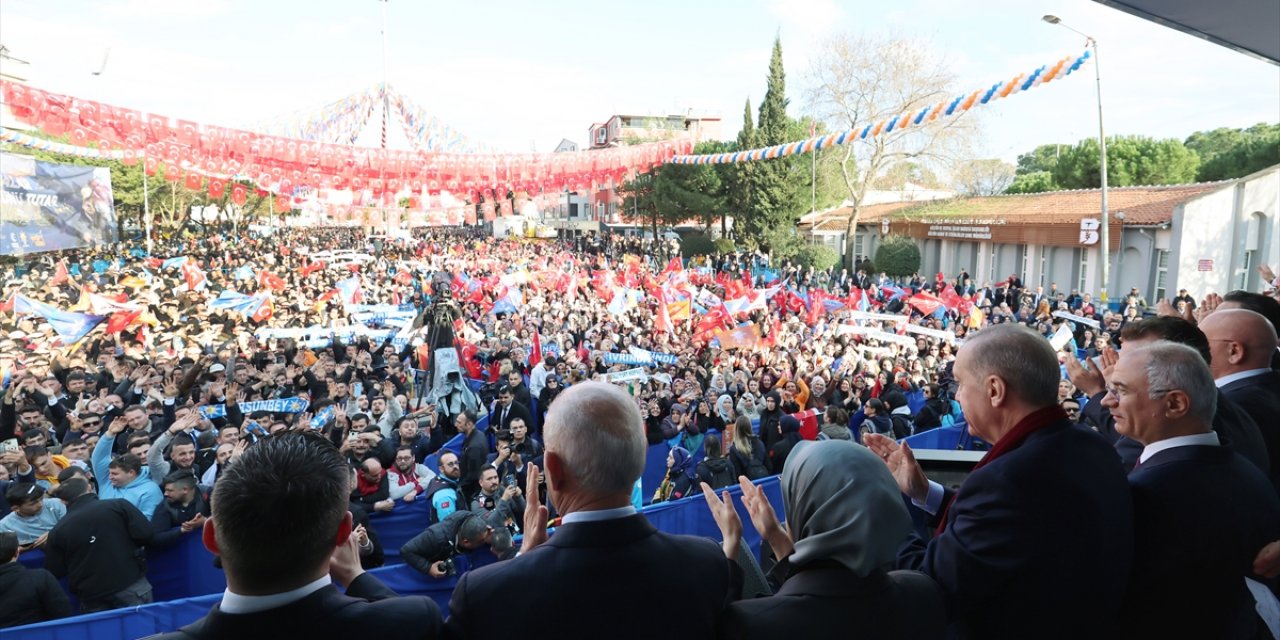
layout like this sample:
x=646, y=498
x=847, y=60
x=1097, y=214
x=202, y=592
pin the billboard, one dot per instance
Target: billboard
x=46, y=206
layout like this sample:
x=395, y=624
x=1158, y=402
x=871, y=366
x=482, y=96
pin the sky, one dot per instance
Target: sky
x=519, y=76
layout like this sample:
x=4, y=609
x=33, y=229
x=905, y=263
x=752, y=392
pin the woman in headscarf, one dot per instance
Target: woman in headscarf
x=845, y=522
x=790, y=436
x=680, y=476
x=747, y=406
x=724, y=409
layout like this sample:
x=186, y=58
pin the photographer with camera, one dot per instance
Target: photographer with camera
x=432, y=551
x=500, y=500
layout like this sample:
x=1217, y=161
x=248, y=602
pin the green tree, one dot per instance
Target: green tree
x=639, y=206
x=898, y=256
x=697, y=244
x=1234, y=153
x=1131, y=160
x=738, y=177
x=1034, y=182
x=776, y=185
x=691, y=191
x=1042, y=158
x=818, y=256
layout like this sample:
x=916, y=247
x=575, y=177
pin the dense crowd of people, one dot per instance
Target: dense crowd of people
x=203, y=351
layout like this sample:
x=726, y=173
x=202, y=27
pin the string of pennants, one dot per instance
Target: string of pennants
x=192, y=151
x=905, y=120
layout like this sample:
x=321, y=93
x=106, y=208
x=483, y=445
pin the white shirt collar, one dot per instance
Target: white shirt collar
x=1198, y=439
x=1239, y=375
x=236, y=604
x=598, y=515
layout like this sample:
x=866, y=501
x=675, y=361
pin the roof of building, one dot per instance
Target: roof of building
x=1144, y=205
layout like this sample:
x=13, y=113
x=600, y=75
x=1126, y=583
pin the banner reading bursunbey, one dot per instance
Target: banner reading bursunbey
x=45, y=206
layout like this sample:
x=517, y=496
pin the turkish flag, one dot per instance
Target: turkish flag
x=121, y=319
x=60, y=274
x=192, y=274
x=268, y=280
x=535, y=356
x=264, y=312
x=217, y=187
x=188, y=133
x=194, y=181
x=172, y=173
x=808, y=423
x=318, y=265
x=239, y=195
x=283, y=203
x=925, y=303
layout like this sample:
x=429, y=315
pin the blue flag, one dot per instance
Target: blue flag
x=68, y=324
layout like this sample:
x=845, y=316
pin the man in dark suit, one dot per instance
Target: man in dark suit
x=1037, y=541
x=475, y=451
x=1236, y=430
x=280, y=548
x=606, y=571
x=1201, y=511
x=1242, y=343
x=507, y=409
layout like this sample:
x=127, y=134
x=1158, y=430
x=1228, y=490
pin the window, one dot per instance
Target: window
x=1082, y=283
x=1026, y=255
x=1044, y=265
x=1242, y=282
x=857, y=245
x=1162, y=274
x=991, y=272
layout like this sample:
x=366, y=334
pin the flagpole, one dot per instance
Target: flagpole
x=146, y=204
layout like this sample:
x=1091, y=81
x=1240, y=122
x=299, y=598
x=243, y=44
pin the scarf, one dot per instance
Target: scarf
x=365, y=487
x=1035, y=421
x=407, y=477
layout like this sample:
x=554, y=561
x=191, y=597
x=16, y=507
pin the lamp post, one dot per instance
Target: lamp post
x=1102, y=157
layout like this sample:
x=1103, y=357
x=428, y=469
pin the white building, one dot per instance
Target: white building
x=1201, y=237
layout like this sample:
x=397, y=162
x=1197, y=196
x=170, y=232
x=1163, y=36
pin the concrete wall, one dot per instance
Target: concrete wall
x=1230, y=226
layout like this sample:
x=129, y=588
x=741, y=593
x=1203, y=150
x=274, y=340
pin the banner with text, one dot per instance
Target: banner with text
x=46, y=206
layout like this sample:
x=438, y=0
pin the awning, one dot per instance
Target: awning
x=1248, y=26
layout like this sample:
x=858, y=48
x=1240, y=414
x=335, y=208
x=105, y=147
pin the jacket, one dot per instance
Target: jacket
x=142, y=493
x=98, y=546
x=30, y=595
x=367, y=610
x=438, y=542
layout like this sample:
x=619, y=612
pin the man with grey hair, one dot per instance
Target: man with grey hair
x=606, y=570
x=1201, y=511
x=1037, y=541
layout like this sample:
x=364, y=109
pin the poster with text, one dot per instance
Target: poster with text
x=46, y=206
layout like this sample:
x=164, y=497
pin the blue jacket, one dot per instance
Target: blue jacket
x=142, y=493
x=1038, y=543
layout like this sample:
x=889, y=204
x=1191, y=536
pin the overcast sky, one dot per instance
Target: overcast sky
x=519, y=76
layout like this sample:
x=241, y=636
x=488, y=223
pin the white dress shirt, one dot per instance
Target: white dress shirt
x=1210, y=439
x=1239, y=375
x=235, y=603
x=598, y=515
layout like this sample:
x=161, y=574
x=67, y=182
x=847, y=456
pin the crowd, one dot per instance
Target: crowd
x=152, y=379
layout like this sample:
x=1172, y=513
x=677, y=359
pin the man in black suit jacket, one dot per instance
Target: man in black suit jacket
x=280, y=547
x=606, y=572
x=506, y=409
x=1037, y=541
x=1201, y=511
x=1242, y=343
x=1236, y=429
x=475, y=451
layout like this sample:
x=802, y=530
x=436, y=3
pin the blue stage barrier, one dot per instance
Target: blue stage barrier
x=950, y=438
x=685, y=516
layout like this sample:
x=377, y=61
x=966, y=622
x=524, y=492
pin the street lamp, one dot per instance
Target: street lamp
x=1102, y=156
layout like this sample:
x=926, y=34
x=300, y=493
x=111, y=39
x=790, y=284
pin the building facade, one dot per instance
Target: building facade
x=1207, y=237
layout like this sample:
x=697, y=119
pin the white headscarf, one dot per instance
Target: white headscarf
x=842, y=504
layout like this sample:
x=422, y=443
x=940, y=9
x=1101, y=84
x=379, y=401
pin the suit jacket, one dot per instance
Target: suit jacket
x=823, y=601
x=1038, y=542
x=368, y=610
x=618, y=578
x=1259, y=396
x=517, y=410
x=1200, y=515
x=1236, y=430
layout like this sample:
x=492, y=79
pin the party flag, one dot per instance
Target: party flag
x=67, y=324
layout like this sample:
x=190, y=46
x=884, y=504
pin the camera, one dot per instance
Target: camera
x=504, y=435
x=450, y=569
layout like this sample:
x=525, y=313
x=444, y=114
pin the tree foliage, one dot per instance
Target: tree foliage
x=1042, y=158
x=776, y=187
x=1234, y=153
x=697, y=244
x=898, y=256
x=1034, y=182
x=818, y=256
x=1131, y=160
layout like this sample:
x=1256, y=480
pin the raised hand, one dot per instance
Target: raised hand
x=535, y=514
x=764, y=519
x=902, y=464
x=726, y=517
x=1087, y=379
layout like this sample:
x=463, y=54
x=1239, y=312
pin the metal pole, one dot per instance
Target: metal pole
x=146, y=204
x=1102, y=162
x=386, y=98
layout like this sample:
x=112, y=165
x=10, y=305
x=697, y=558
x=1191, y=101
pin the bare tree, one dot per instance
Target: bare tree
x=983, y=177
x=859, y=80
